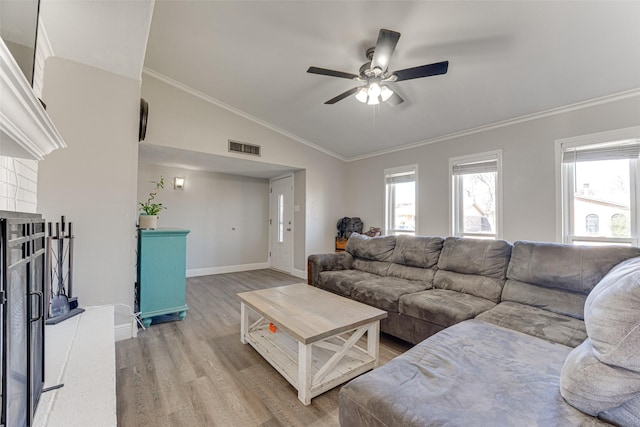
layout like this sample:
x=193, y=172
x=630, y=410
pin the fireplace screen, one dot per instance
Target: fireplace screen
x=22, y=251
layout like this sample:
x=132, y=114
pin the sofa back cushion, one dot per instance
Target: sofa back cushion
x=556, y=300
x=381, y=268
x=567, y=267
x=411, y=273
x=474, y=256
x=473, y=266
x=603, y=373
x=371, y=248
x=417, y=251
x=480, y=286
x=594, y=387
x=612, y=316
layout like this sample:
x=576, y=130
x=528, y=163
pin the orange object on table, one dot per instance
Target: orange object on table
x=272, y=328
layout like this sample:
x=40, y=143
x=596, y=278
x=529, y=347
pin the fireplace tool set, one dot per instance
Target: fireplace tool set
x=59, y=274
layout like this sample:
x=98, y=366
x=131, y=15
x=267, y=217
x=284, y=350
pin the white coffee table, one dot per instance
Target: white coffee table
x=315, y=345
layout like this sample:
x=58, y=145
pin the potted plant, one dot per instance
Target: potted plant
x=150, y=210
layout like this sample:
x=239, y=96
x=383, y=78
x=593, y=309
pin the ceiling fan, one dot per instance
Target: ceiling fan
x=375, y=74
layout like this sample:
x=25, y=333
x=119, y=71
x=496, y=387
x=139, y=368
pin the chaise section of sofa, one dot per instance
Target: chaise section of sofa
x=470, y=374
x=547, y=286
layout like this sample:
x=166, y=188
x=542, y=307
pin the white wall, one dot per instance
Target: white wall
x=93, y=181
x=180, y=119
x=528, y=171
x=299, y=219
x=226, y=214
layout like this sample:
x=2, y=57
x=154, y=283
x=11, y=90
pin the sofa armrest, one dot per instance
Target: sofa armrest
x=327, y=262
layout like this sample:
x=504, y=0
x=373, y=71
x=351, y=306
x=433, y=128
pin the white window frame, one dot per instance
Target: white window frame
x=565, y=184
x=389, y=206
x=455, y=191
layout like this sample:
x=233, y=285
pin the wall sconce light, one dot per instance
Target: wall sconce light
x=178, y=183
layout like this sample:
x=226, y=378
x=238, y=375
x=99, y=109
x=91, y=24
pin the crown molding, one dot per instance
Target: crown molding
x=26, y=131
x=535, y=116
x=218, y=103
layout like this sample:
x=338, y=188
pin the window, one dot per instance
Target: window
x=281, y=218
x=593, y=224
x=600, y=188
x=475, y=195
x=401, y=211
x=620, y=225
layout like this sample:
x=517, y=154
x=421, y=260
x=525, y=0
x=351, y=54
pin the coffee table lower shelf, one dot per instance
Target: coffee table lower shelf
x=317, y=367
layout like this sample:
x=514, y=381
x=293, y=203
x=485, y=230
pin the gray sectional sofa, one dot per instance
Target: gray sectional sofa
x=494, y=324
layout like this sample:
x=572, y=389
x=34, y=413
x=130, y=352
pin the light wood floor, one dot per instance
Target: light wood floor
x=197, y=373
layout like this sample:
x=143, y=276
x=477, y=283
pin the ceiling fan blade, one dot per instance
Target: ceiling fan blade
x=422, y=71
x=343, y=95
x=332, y=73
x=386, y=44
x=394, y=100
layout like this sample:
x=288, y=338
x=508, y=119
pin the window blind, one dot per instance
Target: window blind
x=609, y=152
x=402, y=177
x=484, y=166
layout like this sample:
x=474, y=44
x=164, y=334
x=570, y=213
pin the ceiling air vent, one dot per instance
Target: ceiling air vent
x=243, y=148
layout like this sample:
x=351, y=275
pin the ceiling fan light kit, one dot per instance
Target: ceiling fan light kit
x=376, y=71
x=373, y=94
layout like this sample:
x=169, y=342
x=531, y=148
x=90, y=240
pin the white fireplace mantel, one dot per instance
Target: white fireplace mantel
x=26, y=131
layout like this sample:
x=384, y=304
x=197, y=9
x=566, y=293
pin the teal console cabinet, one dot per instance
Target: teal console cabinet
x=162, y=267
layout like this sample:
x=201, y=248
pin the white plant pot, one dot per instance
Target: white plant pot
x=148, y=221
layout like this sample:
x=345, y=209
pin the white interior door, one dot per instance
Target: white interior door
x=281, y=224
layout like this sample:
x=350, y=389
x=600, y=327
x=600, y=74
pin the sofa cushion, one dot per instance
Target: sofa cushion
x=603, y=374
x=443, y=307
x=471, y=374
x=417, y=251
x=385, y=292
x=612, y=316
x=474, y=256
x=537, y=322
x=551, y=299
x=480, y=286
x=593, y=386
x=330, y=262
x=411, y=273
x=342, y=281
x=373, y=248
x=570, y=267
x=627, y=414
x=381, y=268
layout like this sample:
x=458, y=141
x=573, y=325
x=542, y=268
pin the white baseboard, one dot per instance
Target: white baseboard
x=226, y=269
x=302, y=274
x=124, y=331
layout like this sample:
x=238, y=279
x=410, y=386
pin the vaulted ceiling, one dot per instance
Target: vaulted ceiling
x=508, y=59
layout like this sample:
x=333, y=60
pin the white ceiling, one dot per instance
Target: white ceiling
x=185, y=159
x=507, y=59
x=106, y=34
